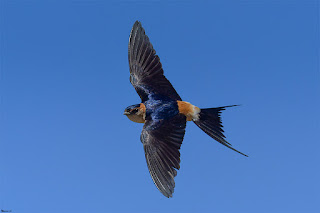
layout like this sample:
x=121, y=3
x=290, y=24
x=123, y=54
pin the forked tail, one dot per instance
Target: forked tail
x=210, y=122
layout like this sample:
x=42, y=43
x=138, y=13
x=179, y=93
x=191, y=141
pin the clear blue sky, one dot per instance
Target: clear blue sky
x=67, y=147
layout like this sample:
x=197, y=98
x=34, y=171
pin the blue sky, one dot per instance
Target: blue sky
x=66, y=146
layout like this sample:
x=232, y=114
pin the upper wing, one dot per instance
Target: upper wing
x=146, y=73
x=161, y=141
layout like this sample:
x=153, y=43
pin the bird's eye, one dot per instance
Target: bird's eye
x=134, y=110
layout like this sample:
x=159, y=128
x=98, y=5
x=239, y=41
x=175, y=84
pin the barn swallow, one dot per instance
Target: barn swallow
x=163, y=113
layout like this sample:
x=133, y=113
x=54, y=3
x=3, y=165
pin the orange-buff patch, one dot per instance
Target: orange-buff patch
x=186, y=109
x=142, y=107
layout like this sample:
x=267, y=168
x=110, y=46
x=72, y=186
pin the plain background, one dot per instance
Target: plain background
x=66, y=146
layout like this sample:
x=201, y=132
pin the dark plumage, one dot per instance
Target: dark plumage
x=163, y=113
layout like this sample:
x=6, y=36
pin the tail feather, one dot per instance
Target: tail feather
x=210, y=122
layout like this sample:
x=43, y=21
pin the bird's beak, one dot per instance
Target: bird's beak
x=126, y=113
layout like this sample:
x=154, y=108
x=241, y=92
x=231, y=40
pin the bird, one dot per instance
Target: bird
x=163, y=113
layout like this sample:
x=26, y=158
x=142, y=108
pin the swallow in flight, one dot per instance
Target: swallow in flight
x=163, y=113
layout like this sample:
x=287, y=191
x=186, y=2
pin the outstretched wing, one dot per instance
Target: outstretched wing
x=146, y=73
x=161, y=141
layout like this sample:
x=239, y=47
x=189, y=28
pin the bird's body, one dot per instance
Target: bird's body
x=164, y=109
x=163, y=113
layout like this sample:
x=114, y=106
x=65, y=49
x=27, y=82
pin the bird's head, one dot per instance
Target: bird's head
x=136, y=113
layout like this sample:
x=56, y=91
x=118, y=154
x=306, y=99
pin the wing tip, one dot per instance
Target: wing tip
x=137, y=24
x=168, y=195
x=136, y=30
